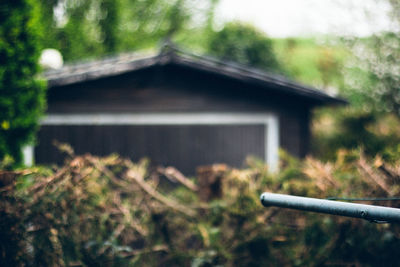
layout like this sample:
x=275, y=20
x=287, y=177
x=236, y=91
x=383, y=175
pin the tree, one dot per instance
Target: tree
x=374, y=79
x=107, y=23
x=22, y=95
x=94, y=28
x=244, y=44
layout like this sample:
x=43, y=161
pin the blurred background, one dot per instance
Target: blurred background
x=110, y=211
x=349, y=48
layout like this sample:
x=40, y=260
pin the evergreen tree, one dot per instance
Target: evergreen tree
x=22, y=95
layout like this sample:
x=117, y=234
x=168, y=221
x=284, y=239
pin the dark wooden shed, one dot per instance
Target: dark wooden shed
x=177, y=109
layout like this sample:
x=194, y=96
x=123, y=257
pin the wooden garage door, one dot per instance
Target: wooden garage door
x=182, y=146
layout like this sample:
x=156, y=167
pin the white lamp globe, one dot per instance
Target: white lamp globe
x=51, y=59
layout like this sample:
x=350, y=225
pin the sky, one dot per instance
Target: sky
x=288, y=18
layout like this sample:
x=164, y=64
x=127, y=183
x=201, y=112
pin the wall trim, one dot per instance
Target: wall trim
x=270, y=121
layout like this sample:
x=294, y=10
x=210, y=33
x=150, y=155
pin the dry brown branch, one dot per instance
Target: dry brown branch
x=131, y=221
x=138, y=178
x=8, y=178
x=372, y=176
x=211, y=181
x=392, y=173
x=146, y=251
x=74, y=167
x=267, y=215
x=151, y=191
x=49, y=180
x=64, y=147
x=320, y=173
x=97, y=164
x=174, y=175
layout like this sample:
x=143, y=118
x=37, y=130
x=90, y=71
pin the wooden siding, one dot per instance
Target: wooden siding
x=295, y=131
x=169, y=89
x=182, y=146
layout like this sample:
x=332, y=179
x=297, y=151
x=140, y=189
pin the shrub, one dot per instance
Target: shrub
x=111, y=212
x=22, y=95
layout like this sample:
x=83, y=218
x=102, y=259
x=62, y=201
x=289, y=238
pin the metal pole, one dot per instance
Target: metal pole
x=368, y=212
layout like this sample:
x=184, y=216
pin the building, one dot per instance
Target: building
x=177, y=109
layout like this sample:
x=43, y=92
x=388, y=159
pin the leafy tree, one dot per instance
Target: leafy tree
x=374, y=79
x=313, y=61
x=107, y=23
x=81, y=35
x=22, y=95
x=372, y=85
x=94, y=28
x=244, y=44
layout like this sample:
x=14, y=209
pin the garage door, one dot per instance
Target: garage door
x=165, y=140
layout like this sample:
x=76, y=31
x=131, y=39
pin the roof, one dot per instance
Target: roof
x=170, y=54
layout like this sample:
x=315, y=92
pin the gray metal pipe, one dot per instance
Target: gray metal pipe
x=368, y=212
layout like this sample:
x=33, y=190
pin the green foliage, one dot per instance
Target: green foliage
x=93, y=28
x=350, y=128
x=312, y=61
x=107, y=23
x=22, y=95
x=244, y=44
x=372, y=79
x=109, y=211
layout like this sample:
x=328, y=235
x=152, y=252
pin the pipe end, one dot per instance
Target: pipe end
x=263, y=199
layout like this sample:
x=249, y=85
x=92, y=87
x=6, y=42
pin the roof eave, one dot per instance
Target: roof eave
x=54, y=79
x=316, y=97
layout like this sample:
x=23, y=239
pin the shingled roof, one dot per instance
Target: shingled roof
x=170, y=54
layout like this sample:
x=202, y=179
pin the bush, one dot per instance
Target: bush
x=349, y=128
x=111, y=212
x=22, y=95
